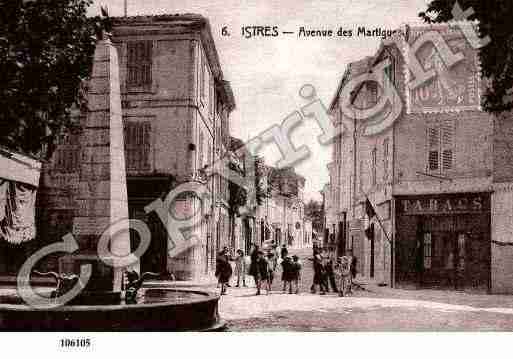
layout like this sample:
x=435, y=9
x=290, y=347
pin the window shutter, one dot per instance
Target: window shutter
x=447, y=130
x=433, y=138
x=200, y=151
x=138, y=145
x=139, y=63
x=385, y=159
x=374, y=160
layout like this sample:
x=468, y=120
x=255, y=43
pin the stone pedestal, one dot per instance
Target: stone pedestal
x=102, y=193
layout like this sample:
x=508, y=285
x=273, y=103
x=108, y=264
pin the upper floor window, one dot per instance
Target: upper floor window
x=139, y=63
x=440, y=138
x=385, y=159
x=200, y=150
x=360, y=175
x=137, y=145
x=390, y=70
x=372, y=87
x=374, y=155
x=211, y=98
x=202, y=77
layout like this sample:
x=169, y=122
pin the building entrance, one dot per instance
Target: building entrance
x=444, y=250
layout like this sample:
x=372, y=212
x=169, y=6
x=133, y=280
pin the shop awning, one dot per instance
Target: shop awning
x=19, y=179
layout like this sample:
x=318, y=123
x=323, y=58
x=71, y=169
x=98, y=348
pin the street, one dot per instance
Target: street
x=373, y=309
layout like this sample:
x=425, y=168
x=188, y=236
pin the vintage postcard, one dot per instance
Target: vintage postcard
x=291, y=166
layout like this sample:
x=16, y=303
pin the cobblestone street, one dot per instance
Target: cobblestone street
x=373, y=309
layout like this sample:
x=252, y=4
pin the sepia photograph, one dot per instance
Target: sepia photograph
x=259, y=166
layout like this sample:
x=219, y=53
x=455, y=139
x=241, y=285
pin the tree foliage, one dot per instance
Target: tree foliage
x=314, y=211
x=494, y=17
x=261, y=185
x=237, y=195
x=46, y=51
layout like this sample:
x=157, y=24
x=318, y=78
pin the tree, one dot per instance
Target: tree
x=314, y=211
x=46, y=52
x=261, y=185
x=494, y=17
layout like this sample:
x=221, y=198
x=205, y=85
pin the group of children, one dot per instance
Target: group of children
x=291, y=273
x=262, y=265
x=338, y=275
x=262, y=268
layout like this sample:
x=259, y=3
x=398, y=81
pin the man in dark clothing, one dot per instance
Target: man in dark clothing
x=284, y=252
x=223, y=269
x=419, y=263
x=319, y=274
x=287, y=274
x=354, y=262
x=330, y=274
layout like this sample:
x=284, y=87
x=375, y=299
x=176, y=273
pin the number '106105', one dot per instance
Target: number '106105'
x=75, y=343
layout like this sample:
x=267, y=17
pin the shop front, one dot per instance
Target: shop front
x=443, y=241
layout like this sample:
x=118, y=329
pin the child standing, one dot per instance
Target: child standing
x=265, y=270
x=287, y=274
x=271, y=259
x=296, y=278
x=344, y=273
x=240, y=268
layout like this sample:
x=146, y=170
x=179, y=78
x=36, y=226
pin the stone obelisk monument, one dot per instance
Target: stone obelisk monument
x=102, y=198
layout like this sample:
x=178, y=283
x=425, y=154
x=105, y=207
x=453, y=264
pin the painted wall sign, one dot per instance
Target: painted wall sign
x=444, y=204
x=454, y=88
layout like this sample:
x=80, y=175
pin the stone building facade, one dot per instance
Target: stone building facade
x=281, y=216
x=439, y=177
x=176, y=106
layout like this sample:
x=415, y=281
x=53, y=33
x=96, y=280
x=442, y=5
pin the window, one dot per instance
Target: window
x=440, y=145
x=211, y=103
x=137, y=145
x=202, y=77
x=433, y=143
x=372, y=87
x=447, y=129
x=360, y=175
x=390, y=70
x=428, y=249
x=209, y=152
x=139, y=63
x=385, y=159
x=200, y=150
x=374, y=160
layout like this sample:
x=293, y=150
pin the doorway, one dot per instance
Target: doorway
x=372, y=251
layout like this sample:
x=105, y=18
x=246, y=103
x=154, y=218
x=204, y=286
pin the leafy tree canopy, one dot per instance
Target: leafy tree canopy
x=46, y=50
x=315, y=212
x=494, y=17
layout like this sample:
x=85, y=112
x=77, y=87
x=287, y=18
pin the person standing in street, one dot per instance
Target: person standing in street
x=271, y=259
x=223, y=269
x=419, y=264
x=266, y=271
x=296, y=278
x=254, y=270
x=344, y=274
x=330, y=276
x=287, y=274
x=319, y=273
x=284, y=252
x=240, y=268
x=352, y=264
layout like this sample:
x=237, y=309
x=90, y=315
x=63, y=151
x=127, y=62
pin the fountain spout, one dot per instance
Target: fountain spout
x=134, y=283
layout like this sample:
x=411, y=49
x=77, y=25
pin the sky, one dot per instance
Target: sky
x=266, y=73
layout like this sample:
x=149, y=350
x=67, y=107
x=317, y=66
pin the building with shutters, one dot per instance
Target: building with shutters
x=176, y=106
x=281, y=216
x=439, y=177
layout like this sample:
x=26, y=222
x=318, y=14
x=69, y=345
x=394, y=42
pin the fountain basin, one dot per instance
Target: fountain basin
x=160, y=308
